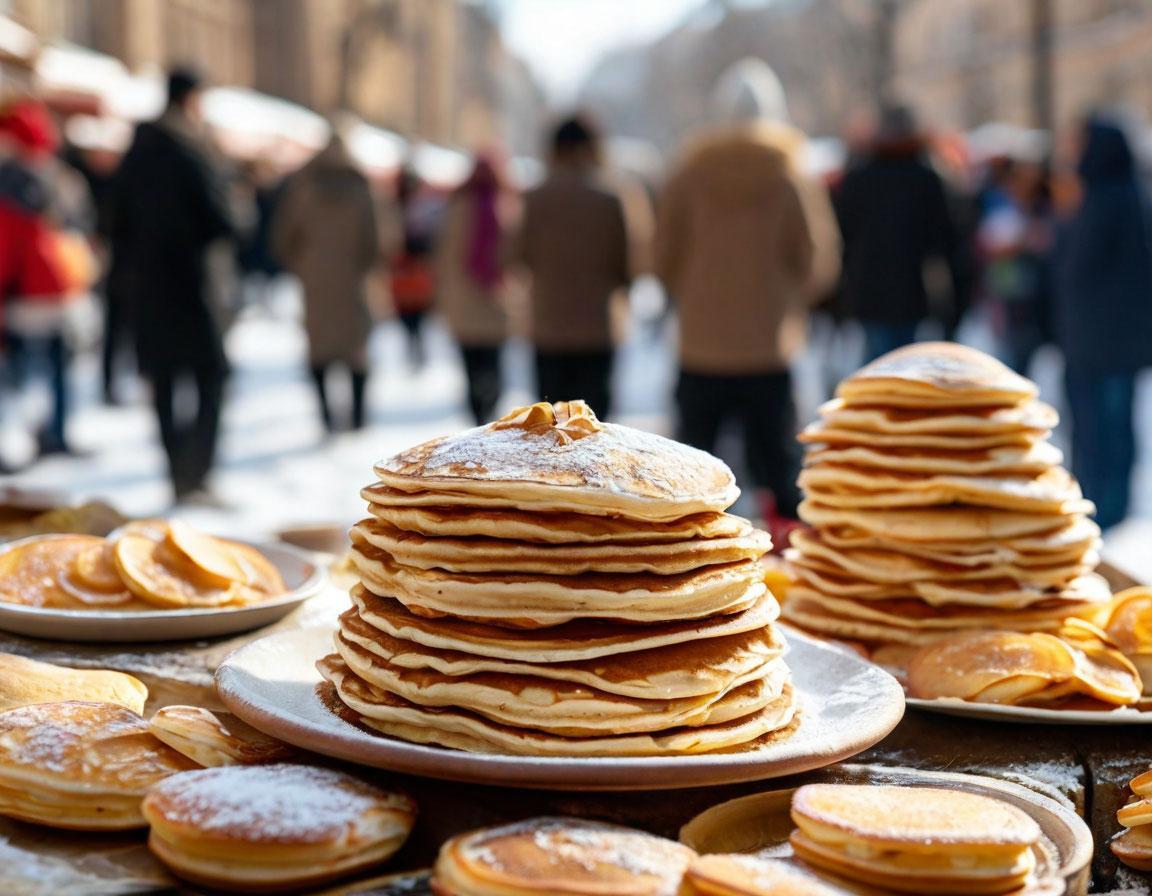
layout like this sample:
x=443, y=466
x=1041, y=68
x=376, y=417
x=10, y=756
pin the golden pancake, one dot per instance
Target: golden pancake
x=1127, y=621
x=560, y=707
x=259, y=573
x=824, y=434
x=689, y=669
x=30, y=571
x=80, y=765
x=745, y=875
x=990, y=667
x=24, y=682
x=930, y=374
x=569, y=643
x=93, y=581
x=1007, y=460
x=273, y=828
x=208, y=554
x=537, y=601
x=495, y=555
x=559, y=457
x=1133, y=847
x=464, y=730
x=934, y=524
x=548, y=856
x=158, y=574
x=1142, y=784
x=206, y=740
x=946, y=420
x=914, y=839
x=1136, y=814
x=1102, y=671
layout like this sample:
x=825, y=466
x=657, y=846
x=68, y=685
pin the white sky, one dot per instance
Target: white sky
x=563, y=39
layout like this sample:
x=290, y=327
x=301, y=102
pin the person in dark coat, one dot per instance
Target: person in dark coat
x=1104, y=315
x=894, y=216
x=169, y=207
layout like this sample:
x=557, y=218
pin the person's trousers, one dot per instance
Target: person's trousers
x=189, y=440
x=117, y=341
x=881, y=338
x=1103, y=439
x=764, y=406
x=482, y=369
x=52, y=354
x=563, y=376
x=359, y=383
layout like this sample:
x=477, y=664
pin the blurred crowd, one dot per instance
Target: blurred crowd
x=753, y=251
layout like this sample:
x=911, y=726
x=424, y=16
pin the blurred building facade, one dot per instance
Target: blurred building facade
x=436, y=70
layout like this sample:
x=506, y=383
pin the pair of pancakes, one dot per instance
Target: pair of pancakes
x=1127, y=621
x=273, y=827
x=1133, y=845
x=148, y=564
x=1078, y=663
x=552, y=585
x=918, y=840
x=938, y=507
x=547, y=856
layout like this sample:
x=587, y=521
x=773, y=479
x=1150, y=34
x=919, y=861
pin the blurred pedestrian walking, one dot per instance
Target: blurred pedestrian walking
x=469, y=281
x=573, y=241
x=1104, y=315
x=325, y=232
x=412, y=273
x=745, y=246
x=168, y=210
x=45, y=259
x=895, y=217
x=258, y=267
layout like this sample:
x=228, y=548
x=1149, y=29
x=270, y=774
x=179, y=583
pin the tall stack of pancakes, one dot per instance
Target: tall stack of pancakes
x=552, y=585
x=939, y=506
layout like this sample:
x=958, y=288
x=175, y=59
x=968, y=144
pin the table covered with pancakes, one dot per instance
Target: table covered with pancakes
x=554, y=595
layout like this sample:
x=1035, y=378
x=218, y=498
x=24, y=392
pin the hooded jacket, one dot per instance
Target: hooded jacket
x=744, y=246
x=1104, y=262
x=325, y=231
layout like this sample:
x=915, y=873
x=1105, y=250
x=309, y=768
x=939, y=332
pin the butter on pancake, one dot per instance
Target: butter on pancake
x=559, y=457
x=547, y=856
x=207, y=740
x=919, y=840
x=749, y=875
x=80, y=765
x=273, y=828
x=25, y=681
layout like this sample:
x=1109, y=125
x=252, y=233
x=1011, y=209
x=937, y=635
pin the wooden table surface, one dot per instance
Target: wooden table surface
x=1085, y=767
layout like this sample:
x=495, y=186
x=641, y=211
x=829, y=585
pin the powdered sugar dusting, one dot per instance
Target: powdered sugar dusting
x=273, y=803
x=53, y=736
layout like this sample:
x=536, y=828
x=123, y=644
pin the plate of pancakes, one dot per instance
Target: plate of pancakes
x=150, y=580
x=553, y=601
x=898, y=830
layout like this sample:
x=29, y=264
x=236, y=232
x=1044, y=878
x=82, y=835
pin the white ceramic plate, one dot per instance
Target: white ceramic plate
x=1033, y=715
x=303, y=576
x=846, y=705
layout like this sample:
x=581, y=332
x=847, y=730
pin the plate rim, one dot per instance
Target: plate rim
x=312, y=585
x=536, y=772
x=1026, y=715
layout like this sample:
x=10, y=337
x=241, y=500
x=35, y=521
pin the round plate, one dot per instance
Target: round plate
x=846, y=705
x=303, y=576
x=1031, y=715
x=761, y=823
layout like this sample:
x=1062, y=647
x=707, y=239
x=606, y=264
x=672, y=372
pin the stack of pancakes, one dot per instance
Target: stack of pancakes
x=938, y=506
x=552, y=585
x=1133, y=845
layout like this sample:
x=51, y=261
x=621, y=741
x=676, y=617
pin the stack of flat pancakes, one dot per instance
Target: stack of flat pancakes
x=552, y=585
x=1133, y=845
x=938, y=506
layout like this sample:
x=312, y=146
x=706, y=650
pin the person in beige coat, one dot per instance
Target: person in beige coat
x=745, y=245
x=469, y=281
x=325, y=232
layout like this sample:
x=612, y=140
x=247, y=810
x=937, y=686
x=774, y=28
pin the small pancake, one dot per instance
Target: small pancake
x=498, y=555
x=206, y=740
x=93, y=580
x=547, y=528
x=1102, y=671
x=559, y=457
x=1142, y=784
x=538, y=601
x=1136, y=814
x=549, y=856
x=933, y=524
x=30, y=571
x=585, y=639
x=821, y=433
x=273, y=828
x=930, y=374
x=990, y=667
x=1002, y=460
x=463, y=730
x=1133, y=847
x=157, y=573
x=24, y=682
x=80, y=765
x=210, y=555
x=558, y=707
x=914, y=839
x=751, y=875
x=687, y=669
x=883, y=418
x=1127, y=621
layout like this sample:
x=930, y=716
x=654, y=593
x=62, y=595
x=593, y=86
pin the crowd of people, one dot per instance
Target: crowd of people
x=903, y=241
